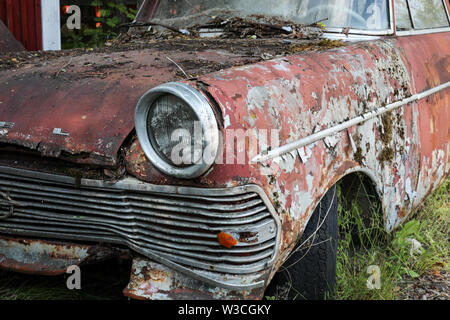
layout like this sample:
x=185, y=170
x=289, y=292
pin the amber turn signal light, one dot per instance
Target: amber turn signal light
x=226, y=239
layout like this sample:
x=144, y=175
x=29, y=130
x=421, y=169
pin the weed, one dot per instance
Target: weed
x=393, y=253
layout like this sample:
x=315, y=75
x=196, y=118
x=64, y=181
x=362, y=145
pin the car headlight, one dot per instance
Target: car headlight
x=177, y=130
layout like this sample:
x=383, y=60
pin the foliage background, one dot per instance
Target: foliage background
x=113, y=13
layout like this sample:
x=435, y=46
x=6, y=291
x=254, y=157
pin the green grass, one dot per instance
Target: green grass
x=392, y=251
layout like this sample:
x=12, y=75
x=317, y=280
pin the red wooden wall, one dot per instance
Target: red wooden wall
x=23, y=19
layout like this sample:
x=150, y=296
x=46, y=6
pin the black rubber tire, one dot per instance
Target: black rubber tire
x=310, y=272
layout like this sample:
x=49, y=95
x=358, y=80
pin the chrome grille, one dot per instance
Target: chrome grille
x=176, y=224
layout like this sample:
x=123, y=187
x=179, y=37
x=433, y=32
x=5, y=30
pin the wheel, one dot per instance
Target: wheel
x=310, y=271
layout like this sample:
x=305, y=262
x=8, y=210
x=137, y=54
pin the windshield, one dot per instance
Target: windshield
x=354, y=14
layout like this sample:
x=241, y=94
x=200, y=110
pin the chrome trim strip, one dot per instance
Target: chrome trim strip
x=161, y=248
x=361, y=31
x=349, y=37
x=422, y=31
x=262, y=157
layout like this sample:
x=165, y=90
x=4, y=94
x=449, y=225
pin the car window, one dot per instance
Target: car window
x=354, y=14
x=402, y=17
x=428, y=14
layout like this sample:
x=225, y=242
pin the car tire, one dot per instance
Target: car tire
x=310, y=271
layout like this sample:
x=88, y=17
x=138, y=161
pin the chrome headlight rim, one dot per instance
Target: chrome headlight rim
x=204, y=112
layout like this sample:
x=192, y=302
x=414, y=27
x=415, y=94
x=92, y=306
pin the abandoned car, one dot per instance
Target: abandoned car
x=210, y=147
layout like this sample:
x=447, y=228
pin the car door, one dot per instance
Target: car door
x=423, y=30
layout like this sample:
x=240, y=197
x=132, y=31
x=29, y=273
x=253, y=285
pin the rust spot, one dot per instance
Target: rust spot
x=344, y=167
x=387, y=129
x=248, y=237
x=359, y=157
x=400, y=129
x=236, y=96
x=401, y=212
x=386, y=155
x=226, y=240
x=316, y=45
x=157, y=275
x=386, y=134
x=276, y=202
x=288, y=230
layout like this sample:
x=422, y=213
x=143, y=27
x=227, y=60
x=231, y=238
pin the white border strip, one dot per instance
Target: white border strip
x=344, y=125
x=51, y=30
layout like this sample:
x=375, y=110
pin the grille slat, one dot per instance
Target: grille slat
x=145, y=215
x=209, y=240
x=159, y=211
x=188, y=251
x=118, y=194
x=142, y=201
x=175, y=223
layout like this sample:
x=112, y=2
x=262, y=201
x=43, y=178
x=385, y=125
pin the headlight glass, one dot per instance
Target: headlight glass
x=174, y=131
x=177, y=129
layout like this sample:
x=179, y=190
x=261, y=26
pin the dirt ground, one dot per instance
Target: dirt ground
x=431, y=286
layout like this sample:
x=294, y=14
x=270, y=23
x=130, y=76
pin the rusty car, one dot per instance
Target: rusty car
x=273, y=105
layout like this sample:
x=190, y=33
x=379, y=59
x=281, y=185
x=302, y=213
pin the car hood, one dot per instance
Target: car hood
x=80, y=105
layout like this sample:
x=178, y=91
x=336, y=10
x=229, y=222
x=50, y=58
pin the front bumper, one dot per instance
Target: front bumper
x=154, y=281
x=176, y=227
x=48, y=258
